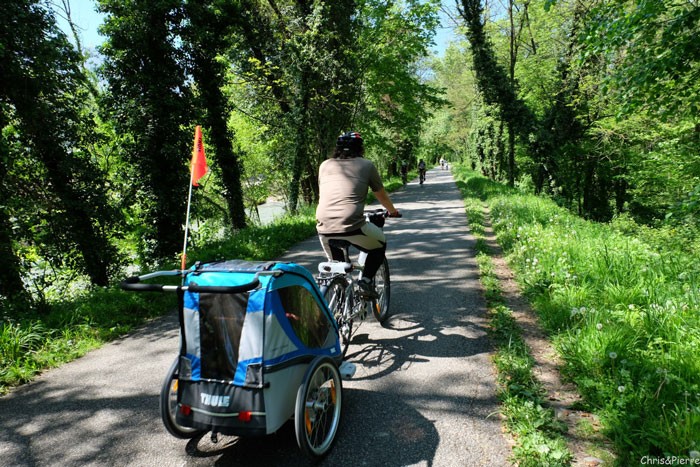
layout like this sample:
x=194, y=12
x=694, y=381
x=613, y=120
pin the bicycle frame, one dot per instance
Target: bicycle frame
x=354, y=305
x=340, y=287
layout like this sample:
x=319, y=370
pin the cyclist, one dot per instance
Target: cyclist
x=404, y=172
x=421, y=170
x=343, y=182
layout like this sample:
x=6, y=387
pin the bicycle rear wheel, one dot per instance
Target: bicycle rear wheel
x=335, y=294
x=382, y=281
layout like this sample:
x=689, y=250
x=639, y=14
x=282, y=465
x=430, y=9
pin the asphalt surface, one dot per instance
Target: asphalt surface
x=423, y=394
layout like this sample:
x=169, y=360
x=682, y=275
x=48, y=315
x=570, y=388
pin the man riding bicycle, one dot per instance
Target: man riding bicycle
x=421, y=170
x=404, y=172
x=343, y=182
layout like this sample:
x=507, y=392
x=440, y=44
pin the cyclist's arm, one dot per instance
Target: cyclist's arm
x=383, y=197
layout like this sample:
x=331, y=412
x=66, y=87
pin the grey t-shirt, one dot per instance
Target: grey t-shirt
x=343, y=185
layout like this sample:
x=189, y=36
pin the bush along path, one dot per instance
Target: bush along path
x=620, y=304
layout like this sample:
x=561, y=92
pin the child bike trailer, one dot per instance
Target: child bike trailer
x=258, y=347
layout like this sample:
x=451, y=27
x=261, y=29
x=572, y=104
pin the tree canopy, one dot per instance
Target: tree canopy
x=97, y=159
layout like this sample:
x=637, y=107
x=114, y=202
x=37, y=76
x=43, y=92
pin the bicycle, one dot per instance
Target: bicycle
x=339, y=285
x=422, y=176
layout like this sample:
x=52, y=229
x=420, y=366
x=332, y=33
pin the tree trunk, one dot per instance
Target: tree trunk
x=11, y=285
x=511, y=155
x=209, y=78
x=301, y=153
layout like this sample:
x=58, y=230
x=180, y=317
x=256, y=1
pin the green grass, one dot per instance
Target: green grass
x=537, y=433
x=622, y=305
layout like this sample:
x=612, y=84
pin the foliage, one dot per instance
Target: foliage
x=623, y=310
x=55, y=204
x=537, y=432
x=149, y=101
x=651, y=49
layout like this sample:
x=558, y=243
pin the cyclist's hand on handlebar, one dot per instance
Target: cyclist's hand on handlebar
x=396, y=213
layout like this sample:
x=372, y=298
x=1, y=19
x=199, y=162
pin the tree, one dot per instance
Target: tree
x=650, y=53
x=150, y=102
x=396, y=100
x=11, y=285
x=40, y=96
x=206, y=44
x=494, y=84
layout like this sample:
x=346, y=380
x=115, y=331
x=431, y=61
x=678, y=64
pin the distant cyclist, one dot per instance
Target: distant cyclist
x=343, y=182
x=404, y=172
x=421, y=170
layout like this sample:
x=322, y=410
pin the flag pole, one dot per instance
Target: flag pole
x=198, y=168
x=187, y=223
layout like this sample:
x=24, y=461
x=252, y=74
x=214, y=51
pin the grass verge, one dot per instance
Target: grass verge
x=622, y=305
x=537, y=433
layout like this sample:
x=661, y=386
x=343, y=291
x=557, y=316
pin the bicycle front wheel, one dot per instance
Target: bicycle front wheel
x=335, y=294
x=382, y=281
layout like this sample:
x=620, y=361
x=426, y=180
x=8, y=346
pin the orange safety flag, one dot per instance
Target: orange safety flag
x=199, y=160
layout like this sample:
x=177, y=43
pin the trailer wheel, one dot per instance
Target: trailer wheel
x=168, y=405
x=318, y=408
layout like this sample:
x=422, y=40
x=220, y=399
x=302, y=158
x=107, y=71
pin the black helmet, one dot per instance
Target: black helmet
x=350, y=141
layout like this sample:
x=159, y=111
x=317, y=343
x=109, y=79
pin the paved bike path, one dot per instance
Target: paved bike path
x=423, y=394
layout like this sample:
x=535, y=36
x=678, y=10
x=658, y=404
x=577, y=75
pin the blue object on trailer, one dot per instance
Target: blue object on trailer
x=244, y=355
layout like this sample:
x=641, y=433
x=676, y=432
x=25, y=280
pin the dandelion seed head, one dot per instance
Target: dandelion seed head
x=612, y=355
x=621, y=388
x=599, y=326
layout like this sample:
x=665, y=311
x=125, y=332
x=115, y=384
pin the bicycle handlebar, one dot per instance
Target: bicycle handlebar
x=134, y=284
x=383, y=212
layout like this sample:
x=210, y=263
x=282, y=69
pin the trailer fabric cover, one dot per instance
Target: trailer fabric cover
x=237, y=337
